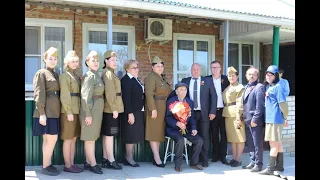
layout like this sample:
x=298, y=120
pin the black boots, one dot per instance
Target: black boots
x=279, y=163
x=270, y=168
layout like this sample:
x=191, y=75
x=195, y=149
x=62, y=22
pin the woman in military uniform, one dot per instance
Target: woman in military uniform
x=70, y=101
x=92, y=103
x=157, y=91
x=113, y=105
x=47, y=112
x=132, y=121
x=232, y=111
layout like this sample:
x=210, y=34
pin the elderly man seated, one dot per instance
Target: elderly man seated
x=180, y=123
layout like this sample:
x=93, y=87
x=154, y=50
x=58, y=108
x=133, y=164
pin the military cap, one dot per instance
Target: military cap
x=109, y=54
x=180, y=84
x=231, y=70
x=71, y=53
x=53, y=51
x=157, y=60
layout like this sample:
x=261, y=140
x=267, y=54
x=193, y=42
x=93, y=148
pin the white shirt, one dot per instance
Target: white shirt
x=130, y=76
x=198, y=91
x=217, y=85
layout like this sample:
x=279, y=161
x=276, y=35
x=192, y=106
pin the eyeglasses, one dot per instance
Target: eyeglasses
x=135, y=68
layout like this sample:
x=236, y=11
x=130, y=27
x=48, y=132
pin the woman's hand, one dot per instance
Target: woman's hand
x=88, y=121
x=131, y=118
x=115, y=114
x=43, y=120
x=70, y=117
x=154, y=114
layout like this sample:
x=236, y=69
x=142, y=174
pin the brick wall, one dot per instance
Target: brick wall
x=165, y=51
x=289, y=132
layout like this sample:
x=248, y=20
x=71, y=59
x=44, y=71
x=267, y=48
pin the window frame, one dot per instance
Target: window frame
x=42, y=23
x=192, y=37
x=86, y=27
x=256, y=56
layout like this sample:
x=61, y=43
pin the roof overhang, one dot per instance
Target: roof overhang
x=180, y=10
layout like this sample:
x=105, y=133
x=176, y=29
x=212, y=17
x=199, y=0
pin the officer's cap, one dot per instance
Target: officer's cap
x=109, y=54
x=157, y=60
x=231, y=70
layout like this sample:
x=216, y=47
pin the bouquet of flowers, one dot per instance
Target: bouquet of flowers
x=181, y=111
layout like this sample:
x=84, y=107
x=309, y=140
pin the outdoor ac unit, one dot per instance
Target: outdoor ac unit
x=158, y=29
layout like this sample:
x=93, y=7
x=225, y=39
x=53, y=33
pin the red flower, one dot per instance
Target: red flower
x=181, y=111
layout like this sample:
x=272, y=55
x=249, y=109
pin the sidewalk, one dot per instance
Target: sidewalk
x=148, y=171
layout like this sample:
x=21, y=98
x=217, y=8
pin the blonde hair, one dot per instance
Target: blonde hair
x=92, y=54
x=51, y=51
x=70, y=55
x=128, y=63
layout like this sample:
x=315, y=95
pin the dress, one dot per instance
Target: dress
x=157, y=91
x=232, y=99
x=92, y=104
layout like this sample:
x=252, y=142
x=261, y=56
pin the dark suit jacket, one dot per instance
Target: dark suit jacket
x=208, y=96
x=132, y=95
x=224, y=81
x=253, y=105
x=171, y=121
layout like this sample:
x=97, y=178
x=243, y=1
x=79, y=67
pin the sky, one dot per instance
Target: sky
x=282, y=8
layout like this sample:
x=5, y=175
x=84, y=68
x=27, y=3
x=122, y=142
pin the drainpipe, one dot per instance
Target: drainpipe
x=109, y=35
x=275, y=47
x=226, y=46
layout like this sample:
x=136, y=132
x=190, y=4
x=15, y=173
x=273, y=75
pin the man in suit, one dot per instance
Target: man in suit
x=173, y=129
x=204, y=96
x=218, y=126
x=253, y=115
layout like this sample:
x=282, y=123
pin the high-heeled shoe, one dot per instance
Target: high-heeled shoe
x=126, y=162
x=158, y=165
x=105, y=163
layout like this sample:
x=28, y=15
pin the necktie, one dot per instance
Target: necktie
x=195, y=93
x=247, y=91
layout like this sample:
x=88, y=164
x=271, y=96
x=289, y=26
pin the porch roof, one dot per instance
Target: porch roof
x=272, y=12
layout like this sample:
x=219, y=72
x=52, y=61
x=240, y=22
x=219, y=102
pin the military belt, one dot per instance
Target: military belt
x=229, y=104
x=118, y=94
x=53, y=93
x=160, y=97
x=75, y=94
x=97, y=97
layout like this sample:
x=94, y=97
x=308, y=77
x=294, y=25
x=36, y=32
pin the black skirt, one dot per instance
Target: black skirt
x=110, y=126
x=132, y=134
x=52, y=127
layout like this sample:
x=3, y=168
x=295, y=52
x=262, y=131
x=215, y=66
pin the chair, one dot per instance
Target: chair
x=171, y=153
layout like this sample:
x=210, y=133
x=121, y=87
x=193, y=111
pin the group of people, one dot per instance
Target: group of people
x=237, y=114
x=73, y=105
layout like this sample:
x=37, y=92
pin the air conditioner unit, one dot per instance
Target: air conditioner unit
x=158, y=29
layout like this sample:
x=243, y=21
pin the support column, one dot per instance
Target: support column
x=226, y=47
x=109, y=35
x=275, y=47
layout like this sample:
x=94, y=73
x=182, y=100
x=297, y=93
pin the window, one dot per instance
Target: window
x=189, y=49
x=123, y=43
x=40, y=34
x=241, y=56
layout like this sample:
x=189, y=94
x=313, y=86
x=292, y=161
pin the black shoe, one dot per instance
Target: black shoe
x=158, y=165
x=86, y=166
x=50, y=171
x=105, y=163
x=214, y=160
x=126, y=162
x=204, y=164
x=249, y=166
x=223, y=161
x=256, y=169
x=231, y=162
x=96, y=169
x=236, y=164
